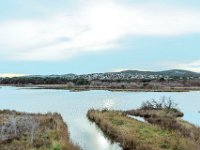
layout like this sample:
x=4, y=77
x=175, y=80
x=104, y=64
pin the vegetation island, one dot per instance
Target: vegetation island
x=162, y=129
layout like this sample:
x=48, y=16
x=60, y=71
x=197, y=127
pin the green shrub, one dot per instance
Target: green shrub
x=56, y=146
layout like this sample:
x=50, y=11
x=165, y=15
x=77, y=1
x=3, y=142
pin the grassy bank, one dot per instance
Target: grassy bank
x=165, y=115
x=136, y=135
x=23, y=131
x=170, y=120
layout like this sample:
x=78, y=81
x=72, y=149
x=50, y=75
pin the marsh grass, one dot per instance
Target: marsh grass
x=23, y=131
x=136, y=135
x=165, y=115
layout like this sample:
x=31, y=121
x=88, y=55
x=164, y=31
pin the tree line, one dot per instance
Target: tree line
x=43, y=80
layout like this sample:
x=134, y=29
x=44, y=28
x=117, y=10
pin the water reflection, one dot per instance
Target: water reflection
x=73, y=106
x=137, y=118
x=109, y=103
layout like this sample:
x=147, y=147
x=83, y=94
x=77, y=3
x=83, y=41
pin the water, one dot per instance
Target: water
x=137, y=118
x=73, y=107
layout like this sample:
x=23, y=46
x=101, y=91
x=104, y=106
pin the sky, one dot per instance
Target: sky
x=87, y=36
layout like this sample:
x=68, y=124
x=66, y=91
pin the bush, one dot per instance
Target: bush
x=165, y=103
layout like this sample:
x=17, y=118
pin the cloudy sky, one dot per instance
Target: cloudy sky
x=84, y=36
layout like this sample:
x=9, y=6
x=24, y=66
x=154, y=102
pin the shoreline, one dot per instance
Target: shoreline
x=86, y=88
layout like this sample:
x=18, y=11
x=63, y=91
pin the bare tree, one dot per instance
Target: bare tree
x=165, y=103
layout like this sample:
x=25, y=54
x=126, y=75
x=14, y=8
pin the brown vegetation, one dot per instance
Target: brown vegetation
x=160, y=84
x=136, y=135
x=22, y=131
x=165, y=115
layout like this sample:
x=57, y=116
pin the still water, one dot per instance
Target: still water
x=73, y=107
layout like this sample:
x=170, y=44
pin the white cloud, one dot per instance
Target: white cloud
x=125, y=69
x=92, y=27
x=10, y=75
x=119, y=69
x=193, y=66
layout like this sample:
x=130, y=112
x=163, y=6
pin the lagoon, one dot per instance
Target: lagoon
x=73, y=107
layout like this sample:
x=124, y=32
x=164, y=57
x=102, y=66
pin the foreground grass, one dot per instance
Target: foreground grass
x=22, y=131
x=135, y=135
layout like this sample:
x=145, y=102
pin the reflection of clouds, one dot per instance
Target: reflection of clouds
x=103, y=144
x=90, y=132
x=109, y=103
x=101, y=141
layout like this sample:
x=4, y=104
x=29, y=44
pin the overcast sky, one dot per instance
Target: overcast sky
x=85, y=36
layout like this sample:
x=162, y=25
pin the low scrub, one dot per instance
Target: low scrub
x=164, y=103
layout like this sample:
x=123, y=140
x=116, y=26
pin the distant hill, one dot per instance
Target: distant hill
x=171, y=73
x=126, y=75
x=136, y=74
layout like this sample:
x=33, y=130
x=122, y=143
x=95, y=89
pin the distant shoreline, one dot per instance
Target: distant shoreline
x=130, y=80
x=88, y=88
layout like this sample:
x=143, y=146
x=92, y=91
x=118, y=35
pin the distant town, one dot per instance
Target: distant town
x=169, y=80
